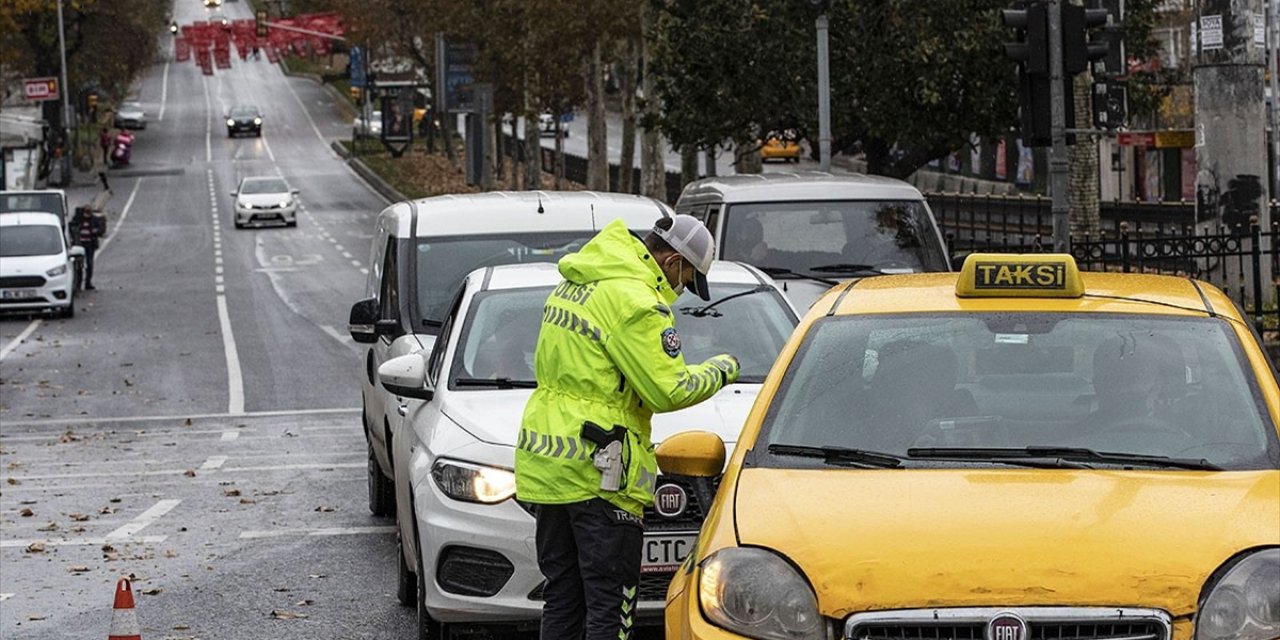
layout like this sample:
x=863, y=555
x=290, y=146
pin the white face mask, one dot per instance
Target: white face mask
x=677, y=285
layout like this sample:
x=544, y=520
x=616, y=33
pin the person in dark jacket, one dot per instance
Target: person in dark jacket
x=88, y=227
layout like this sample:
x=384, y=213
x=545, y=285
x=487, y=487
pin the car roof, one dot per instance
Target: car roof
x=1103, y=293
x=517, y=211
x=27, y=218
x=796, y=186
x=262, y=179
x=244, y=107
x=546, y=274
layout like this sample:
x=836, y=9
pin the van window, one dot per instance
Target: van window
x=50, y=202
x=389, y=296
x=30, y=240
x=835, y=237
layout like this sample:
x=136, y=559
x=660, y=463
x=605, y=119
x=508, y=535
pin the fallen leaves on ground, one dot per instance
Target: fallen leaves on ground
x=190, y=473
x=26, y=512
x=78, y=568
x=79, y=517
x=35, y=547
x=281, y=614
x=325, y=509
x=231, y=493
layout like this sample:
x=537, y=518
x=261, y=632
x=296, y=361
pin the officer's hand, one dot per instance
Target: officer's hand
x=729, y=368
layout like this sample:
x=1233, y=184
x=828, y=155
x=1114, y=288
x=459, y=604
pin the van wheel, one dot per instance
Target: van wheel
x=70, y=311
x=407, y=582
x=382, y=494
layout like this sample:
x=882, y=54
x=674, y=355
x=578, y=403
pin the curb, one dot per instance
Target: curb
x=371, y=178
x=341, y=100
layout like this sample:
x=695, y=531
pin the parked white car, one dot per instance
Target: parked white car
x=37, y=268
x=265, y=199
x=371, y=128
x=466, y=546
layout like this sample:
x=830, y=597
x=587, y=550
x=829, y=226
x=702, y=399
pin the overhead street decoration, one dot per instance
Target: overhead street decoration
x=40, y=89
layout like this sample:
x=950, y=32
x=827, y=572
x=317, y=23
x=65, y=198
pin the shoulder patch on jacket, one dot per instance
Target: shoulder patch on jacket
x=671, y=341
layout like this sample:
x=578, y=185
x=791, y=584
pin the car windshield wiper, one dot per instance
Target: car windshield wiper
x=839, y=455
x=699, y=312
x=501, y=383
x=1066, y=455
x=782, y=272
x=846, y=268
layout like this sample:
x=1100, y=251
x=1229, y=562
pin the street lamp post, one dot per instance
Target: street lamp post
x=824, y=92
x=66, y=104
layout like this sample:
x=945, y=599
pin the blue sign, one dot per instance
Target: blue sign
x=457, y=77
x=356, y=62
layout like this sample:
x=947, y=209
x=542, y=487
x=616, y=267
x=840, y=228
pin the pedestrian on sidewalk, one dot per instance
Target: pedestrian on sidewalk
x=89, y=227
x=104, y=141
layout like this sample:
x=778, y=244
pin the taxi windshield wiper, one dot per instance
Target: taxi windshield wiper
x=782, y=272
x=846, y=268
x=501, y=383
x=699, y=312
x=839, y=455
x=1068, y=456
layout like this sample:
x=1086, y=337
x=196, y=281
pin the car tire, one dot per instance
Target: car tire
x=382, y=493
x=238, y=224
x=291, y=223
x=258, y=133
x=406, y=581
x=230, y=133
x=70, y=311
x=428, y=627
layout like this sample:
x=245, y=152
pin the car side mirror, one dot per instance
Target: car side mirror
x=294, y=192
x=693, y=454
x=235, y=193
x=407, y=376
x=361, y=323
x=76, y=251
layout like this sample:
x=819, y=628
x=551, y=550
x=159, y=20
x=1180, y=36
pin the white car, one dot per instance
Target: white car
x=547, y=125
x=130, y=115
x=371, y=128
x=265, y=199
x=37, y=268
x=466, y=545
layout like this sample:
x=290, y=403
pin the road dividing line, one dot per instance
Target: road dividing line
x=142, y=521
x=8, y=348
x=235, y=384
x=306, y=113
x=124, y=213
x=269, y=154
x=213, y=462
x=228, y=436
x=208, y=125
x=330, y=531
x=164, y=92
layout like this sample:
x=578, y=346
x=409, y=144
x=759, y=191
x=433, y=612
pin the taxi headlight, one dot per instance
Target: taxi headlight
x=56, y=271
x=473, y=483
x=1244, y=604
x=756, y=593
x=230, y=122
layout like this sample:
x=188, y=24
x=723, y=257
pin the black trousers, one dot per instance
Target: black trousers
x=589, y=553
x=89, y=250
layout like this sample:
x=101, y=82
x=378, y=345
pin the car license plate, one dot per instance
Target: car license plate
x=664, y=553
x=19, y=294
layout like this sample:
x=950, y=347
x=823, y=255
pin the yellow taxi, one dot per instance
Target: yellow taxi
x=780, y=145
x=1016, y=451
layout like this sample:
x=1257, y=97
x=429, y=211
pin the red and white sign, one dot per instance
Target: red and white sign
x=39, y=89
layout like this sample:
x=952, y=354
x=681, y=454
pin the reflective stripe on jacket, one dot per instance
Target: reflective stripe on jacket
x=607, y=353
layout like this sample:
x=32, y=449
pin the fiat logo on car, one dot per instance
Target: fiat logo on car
x=670, y=500
x=1008, y=626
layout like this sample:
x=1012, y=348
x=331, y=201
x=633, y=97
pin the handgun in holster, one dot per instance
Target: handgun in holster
x=608, y=455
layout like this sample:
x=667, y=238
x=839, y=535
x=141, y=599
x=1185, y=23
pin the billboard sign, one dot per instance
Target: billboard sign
x=40, y=89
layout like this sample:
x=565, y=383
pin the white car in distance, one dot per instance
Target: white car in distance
x=370, y=128
x=37, y=271
x=265, y=199
x=466, y=547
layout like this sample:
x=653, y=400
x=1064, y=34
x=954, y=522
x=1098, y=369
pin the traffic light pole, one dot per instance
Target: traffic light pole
x=824, y=96
x=1059, y=167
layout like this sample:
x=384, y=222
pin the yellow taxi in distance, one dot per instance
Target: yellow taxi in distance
x=780, y=146
x=1016, y=451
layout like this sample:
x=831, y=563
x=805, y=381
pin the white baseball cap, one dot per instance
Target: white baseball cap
x=691, y=239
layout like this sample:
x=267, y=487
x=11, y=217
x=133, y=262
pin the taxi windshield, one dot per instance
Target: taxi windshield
x=835, y=237
x=1139, y=385
x=501, y=332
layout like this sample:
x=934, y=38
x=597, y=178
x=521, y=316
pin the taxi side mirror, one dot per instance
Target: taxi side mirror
x=693, y=454
x=407, y=376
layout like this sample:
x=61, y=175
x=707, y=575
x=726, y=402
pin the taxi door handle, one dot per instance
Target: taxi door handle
x=403, y=410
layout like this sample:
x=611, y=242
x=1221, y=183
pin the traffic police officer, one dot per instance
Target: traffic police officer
x=608, y=354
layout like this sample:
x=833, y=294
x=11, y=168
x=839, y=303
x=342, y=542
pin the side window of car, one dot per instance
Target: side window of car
x=436, y=362
x=713, y=220
x=388, y=295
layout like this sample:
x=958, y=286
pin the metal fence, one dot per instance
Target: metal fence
x=1242, y=260
x=575, y=169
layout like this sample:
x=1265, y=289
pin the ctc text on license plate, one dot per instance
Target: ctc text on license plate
x=663, y=553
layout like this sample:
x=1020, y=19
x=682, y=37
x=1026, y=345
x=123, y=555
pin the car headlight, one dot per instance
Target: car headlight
x=257, y=120
x=286, y=202
x=756, y=593
x=56, y=271
x=473, y=483
x=1244, y=604
x=230, y=122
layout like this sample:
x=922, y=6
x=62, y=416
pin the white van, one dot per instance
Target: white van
x=422, y=250
x=810, y=229
x=37, y=272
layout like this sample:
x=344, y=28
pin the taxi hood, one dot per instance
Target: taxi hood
x=494, y=416
x=901, y=538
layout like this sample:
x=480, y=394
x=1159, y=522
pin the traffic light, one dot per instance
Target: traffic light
x=1078, y=50
x=261, y=26
x=1031, y=52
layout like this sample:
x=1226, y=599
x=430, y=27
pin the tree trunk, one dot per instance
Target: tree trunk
x=746, y=158
x=710, y=157
x=688, y=164
x=653, y=169
x=532, y=153
x=626, y=163
x=597, y=132
x=1083, y=162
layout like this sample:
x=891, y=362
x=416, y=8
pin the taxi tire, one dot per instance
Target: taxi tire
x=407, y=582
x=428, y=627
x=382, y=494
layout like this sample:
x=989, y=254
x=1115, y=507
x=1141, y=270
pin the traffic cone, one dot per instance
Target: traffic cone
x=124, y=621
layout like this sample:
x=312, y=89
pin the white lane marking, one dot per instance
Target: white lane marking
x=164, y=92
x=329, y=531
x=220, y=289
x=310, y=120
x=178, y=472
x=338, y=247
x=8, y=348
x=355, y=263
x=81, y=420
x=214, y=462
x=79, y=542
x=269, y=154
x=364, y=270
x=347, y=255
x=338, y=336
x=124, y=213
x=235, y=384
x=208, y=129
x=145, y=519
x=228, y=436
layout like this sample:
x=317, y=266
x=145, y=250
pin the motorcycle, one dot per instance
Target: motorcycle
x=122, y=149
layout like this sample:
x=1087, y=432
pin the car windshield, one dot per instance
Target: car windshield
x=30, y=240
x=244, y=112
x=131, y=106
x=501, y=331
x=834, y=237
x=269, y=185
x=1139, y=385
x=49, y=202
x=444, y=262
